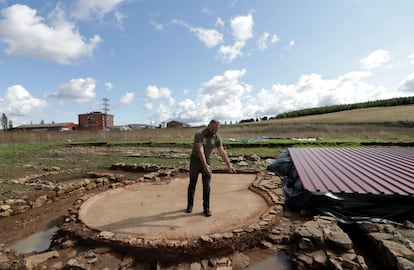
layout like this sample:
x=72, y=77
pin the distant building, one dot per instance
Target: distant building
x=177, y=124
x=140, y=126
x=95, y=121
x=47, y=127
x=120, y=128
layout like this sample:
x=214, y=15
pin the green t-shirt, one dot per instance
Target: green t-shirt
x=209, y=142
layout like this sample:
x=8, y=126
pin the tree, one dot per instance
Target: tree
x=4, y=121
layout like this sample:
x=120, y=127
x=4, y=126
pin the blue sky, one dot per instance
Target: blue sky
x=196, y=60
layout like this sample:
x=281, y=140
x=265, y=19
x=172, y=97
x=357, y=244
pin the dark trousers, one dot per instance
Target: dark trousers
x=195, y=169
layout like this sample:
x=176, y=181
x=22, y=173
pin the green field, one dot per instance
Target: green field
x=23, y=153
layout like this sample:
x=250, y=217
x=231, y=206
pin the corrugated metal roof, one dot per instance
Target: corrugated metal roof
x=372, y=170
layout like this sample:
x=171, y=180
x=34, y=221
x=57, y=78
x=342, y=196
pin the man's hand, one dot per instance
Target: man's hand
x=232, y=169
x=207, y=169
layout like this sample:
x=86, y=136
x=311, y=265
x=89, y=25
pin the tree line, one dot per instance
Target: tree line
x=338, y=108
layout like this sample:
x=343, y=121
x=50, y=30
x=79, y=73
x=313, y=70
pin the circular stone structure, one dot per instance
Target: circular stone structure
x=148, y=219
x=153, y=211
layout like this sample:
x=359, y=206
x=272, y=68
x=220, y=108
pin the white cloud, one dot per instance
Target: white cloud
x=149, y=106
x=242, y=27
x=229, y=53
x=79, y=90
x=229, y=81
x=19, y=102
x=264, y=39
x=376, y=59
x=87, y=9
x=153, y=92
x=210, y=37
x=242, y=30
x=119, y=17
x=275, y=39
x=219, y=22
x=411, y=59
x=287, y=48
x=192, y=112
x=407, y=85
x=262, y=42
x=27, y=34
x=313, y=91
x=227, y=97
x=157, y=26
x=159, y=102
x=220, y=97
x=127, y=98
x=162, y=112
x=109, y=85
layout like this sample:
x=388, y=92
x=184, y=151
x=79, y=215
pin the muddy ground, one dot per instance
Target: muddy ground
x=37, y=219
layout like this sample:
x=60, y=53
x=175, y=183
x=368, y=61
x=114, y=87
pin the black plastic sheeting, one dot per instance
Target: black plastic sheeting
x=345, y=207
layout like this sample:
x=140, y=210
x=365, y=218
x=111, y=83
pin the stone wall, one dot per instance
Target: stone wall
x=177, y=251
x=393, y=245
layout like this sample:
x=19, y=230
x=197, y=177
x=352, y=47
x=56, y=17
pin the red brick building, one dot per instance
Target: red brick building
x=47, y=127
x=95, y=121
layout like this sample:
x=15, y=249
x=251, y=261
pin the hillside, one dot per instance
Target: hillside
x=365, y=115
x=401, y=101
x=394, y=123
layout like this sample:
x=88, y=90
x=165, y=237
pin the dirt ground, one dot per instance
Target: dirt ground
x=37, y=219
x=22, y=225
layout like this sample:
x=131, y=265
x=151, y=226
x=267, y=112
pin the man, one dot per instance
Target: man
x=205, y=141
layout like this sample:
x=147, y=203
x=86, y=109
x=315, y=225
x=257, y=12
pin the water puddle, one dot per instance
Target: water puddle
x=36, y=242
x=259, y=259
x=264, y=260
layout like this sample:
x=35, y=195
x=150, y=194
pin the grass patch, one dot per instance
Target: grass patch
x=163, y=162
x=260, y=151
x=10, y=188
x=23, y=157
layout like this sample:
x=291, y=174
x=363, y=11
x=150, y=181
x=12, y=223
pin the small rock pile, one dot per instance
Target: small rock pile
x=146, y=167
x=52, y=192
x=10, y=259
x=392, y=243
x=321, y=244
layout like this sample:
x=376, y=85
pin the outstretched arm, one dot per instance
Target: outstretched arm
x=225, y=158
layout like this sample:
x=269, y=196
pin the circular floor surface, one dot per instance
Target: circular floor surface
x=154, y=211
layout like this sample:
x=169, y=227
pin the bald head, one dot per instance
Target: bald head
x=213, y=127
